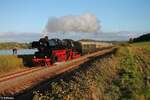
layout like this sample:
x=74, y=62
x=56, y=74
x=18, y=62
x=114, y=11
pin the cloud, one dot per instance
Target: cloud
x=103, y=36
x=115, y=36
x=85, y=23
x=29, y=36
x=19, y=36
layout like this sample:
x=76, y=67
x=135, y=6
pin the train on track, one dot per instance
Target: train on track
x=56, y=50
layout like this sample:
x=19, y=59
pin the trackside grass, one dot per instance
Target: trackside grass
x=124, y=75
x=10, y=63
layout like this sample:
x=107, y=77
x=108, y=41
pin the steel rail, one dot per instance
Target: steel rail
x=17, y=82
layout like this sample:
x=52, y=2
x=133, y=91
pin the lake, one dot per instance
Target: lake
x=19, y=52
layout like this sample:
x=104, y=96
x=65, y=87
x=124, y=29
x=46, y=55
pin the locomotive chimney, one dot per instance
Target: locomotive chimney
x=46, y=38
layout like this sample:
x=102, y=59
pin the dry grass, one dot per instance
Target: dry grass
x=10, y=63
x=89, y=82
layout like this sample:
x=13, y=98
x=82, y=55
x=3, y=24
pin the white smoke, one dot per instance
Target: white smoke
x=85, y=23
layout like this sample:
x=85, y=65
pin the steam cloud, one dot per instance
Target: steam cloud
x=85, y=23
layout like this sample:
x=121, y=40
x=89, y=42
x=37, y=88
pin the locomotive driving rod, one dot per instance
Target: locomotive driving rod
x=23, y=80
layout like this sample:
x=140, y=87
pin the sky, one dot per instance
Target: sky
x=119, y=19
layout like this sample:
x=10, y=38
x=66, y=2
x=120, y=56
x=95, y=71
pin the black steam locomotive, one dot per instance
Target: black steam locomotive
x=55, y=50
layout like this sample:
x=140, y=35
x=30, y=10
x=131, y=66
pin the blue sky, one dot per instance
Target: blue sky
x=114, y=15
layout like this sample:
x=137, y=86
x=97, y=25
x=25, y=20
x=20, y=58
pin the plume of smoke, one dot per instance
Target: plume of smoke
x=85, y=23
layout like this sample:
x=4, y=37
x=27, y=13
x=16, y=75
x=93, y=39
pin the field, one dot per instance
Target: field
x=124, y=75
x=11, y=63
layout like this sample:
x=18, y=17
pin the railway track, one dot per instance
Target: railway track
x=19, y=81
x=19, y=73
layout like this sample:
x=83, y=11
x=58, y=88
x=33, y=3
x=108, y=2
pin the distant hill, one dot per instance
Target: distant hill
x=145, y=37
x=11, y=45
x=91, y=40
x=87, y=40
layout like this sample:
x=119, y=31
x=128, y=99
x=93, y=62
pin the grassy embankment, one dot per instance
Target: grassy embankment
x=9, y=63
x=124, y=75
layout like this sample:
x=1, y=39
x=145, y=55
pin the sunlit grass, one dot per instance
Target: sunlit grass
x=10, y=63
x=122, y=76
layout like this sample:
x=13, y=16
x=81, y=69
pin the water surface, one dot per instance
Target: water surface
x=19, y=52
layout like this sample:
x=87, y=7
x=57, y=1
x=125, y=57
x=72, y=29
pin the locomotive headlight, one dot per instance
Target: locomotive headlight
x=34, y=57
x=45, y=56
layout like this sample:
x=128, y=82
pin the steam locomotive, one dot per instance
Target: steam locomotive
x=55, y=50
